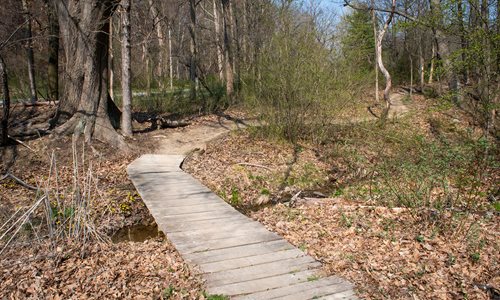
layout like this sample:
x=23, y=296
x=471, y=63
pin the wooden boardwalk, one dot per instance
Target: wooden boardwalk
x=237, y=256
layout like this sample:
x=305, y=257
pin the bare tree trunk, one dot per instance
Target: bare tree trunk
x=220, y=59
x=53, y=63
x=463, y=42
x=170, y=59
x=421, y=60
x=84, y=26
x=29, y=51
x=411, y=76
x=146, y=58
x=443, y=49
x=161, y=42
x=111, y=62
x=192, y=47
x=374, y=22
x=433, y=57
x=387, y=75
x=6, y=102
x=126, y=122
x=228, y=56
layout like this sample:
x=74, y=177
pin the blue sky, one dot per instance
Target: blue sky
x=336, y=5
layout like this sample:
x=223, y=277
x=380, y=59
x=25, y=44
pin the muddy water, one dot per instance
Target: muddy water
x=137, y=233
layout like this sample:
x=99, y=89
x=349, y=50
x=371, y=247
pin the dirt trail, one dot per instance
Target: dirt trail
x=196, y=136
x=185, y=140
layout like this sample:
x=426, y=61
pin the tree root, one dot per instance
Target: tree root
x=19, y=181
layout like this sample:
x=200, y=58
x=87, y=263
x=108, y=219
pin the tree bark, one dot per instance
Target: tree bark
x=192, y=47
x=443, y=48
x=170, y=59
x=228, y=55
x=84, y=26
x=111, y=61
x=374, y=23
x=161, y=42
x=421, y=61
x=463, y=42
x=433, y=58
x=29, y=52
x=387, y=75
x=126, y=122
x=6, y=102
x=53, y=65
x=220, y=59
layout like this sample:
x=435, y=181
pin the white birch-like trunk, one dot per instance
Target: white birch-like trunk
x=126, y=120
x=387, y=75
x=170, y=59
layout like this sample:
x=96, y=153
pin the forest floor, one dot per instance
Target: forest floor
x=329, y=199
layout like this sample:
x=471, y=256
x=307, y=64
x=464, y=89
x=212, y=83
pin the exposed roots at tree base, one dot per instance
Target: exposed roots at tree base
x=102, y=131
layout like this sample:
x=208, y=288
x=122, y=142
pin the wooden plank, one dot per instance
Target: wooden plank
x=189, y=225
x=248, y=261
x=238, y=252
x=193, y=246
x=237, y=225
x=258, y=285
x=261, y=271
x=177, y=201
x=190, y=209
x=328, y=290
x=202, y=236
x=348, y=294
x=292, y=289
x=199, y=216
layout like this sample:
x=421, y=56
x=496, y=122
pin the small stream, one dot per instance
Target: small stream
x=137, y=233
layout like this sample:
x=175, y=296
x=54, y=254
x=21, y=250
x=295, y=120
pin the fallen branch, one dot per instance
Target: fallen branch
x=19, y=181
x=254, y=165
x=21, y=143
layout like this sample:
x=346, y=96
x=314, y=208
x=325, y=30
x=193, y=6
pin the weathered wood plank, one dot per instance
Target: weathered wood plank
x=348, y=294
x=239, y=252
x=198, y=225
x=261, y=271
x=292, y=289
x=254, y=260
x=263, y=284
x=199, y=216
x=189, y=246
x=217, y=234
x=333, y=290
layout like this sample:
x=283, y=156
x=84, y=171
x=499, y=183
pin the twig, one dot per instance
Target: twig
x=22, y=143
x=254, y=165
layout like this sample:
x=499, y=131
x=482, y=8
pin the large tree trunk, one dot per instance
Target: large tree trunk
x=6, y=102
x=443, y=49
x=29, y=52
x=228, y=54
x=220, y=59
x=53, y=65
x=84, y=28
x=126, y=90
